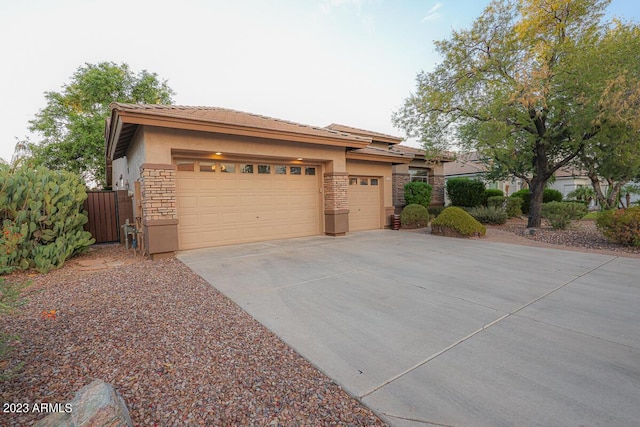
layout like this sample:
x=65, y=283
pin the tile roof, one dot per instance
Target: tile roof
x=376, y=136
x=238, y=118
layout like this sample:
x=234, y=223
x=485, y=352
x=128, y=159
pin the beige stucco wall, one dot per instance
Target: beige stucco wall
x=162, y=143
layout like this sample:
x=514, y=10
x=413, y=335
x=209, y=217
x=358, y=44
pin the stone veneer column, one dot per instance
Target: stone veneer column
x=159, y=212
x=336, y=203
x=398, y=182
x=437, y=194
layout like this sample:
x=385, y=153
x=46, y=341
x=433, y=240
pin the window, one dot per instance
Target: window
x=246, y=168
x=185, y=165
x=353, y=181
x=228, y=167
x=280, y=170
x=309, y=171
x=364, y=181
x=265, y=169
x=295, y=170
x=207, y=167
x=374, y=181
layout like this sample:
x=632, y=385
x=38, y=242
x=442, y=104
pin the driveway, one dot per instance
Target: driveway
x=428, y=330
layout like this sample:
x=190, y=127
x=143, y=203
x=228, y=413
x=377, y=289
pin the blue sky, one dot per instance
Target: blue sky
x=314, y=62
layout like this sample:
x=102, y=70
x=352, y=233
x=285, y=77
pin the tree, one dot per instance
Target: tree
x=524, y=87
x=73, y=122
x=613, y=154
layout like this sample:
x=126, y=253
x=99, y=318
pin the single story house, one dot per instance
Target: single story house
x=470, y=165
x=205, y=176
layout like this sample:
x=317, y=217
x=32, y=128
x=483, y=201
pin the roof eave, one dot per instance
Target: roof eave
x=378, y=158
x=141, y=118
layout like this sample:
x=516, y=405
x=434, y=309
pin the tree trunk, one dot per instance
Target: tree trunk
x=535, y=208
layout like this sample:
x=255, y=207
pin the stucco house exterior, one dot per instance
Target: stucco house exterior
x=470, y=165
x=205, y=176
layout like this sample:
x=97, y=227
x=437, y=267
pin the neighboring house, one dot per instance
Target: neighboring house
x=469, y=165
x=211, y=176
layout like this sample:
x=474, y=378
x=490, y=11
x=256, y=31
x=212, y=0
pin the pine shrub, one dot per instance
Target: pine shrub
x=414, y=216
x=456, y=221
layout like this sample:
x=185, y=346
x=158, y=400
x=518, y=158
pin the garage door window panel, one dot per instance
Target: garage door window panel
x=264, y=169
x=208, y=167
x=295, y=170
x=246, y=168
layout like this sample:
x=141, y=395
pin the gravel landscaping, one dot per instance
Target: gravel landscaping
x=178, y=351
x=582, y=235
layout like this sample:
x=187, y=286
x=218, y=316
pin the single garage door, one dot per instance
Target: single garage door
x=222, y=203
x=364, y=203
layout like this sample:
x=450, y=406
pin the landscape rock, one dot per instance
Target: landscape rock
x=97, y=404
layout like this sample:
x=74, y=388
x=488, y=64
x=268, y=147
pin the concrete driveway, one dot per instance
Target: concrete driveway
x=428, y=330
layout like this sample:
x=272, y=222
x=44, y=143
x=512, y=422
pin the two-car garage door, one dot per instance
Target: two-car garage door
x=221, y=203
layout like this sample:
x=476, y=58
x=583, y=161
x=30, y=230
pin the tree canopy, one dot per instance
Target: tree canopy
x=532, y=85
x=72, y=124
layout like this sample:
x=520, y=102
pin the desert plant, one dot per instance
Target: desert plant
x=414, y=216
x=490, y=192
x=465, y=192
x=41, y=218
x=511, y=205
x=417, y=192
x=456, y=221
x=488, y=214
x=560, y=214
x=621, y=226
x=583, y=194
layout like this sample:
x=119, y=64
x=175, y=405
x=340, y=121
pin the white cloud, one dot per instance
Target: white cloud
x=432, y=14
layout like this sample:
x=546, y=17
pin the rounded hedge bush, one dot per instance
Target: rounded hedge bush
x=454, y=221
x=621, y=226
x=491, y=192
x=549, y=195
x=414, y=216
x=465, y=192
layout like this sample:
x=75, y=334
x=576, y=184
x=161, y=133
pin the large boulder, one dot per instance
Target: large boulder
x=97, y=405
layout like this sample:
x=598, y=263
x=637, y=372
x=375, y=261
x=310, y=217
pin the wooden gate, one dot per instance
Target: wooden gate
x=102, y=210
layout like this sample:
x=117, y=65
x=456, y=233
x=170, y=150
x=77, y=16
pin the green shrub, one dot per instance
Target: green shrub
x=560, y=214
x=488, y=215
x=490, y=192
x=465, y=192
x=414, y=216
x=549, y=195
x=417, y=192
x=621, y=226
x=42, y=218
x=511, y=205
x=454, y=220
x=525, y=196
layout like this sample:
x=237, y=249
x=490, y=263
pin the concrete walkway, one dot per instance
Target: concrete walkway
x=428, y=330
